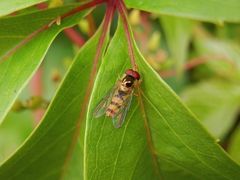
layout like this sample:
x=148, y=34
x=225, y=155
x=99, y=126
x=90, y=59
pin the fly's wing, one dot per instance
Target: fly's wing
x=120, y=117
x=104, y=103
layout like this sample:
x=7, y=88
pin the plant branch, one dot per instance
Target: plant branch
x=36, y=88
x=42, y=5
x=74, y=36
x=47, y=26
x=92, y=25
x=123, y=14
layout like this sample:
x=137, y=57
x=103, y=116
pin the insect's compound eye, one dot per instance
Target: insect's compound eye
x=128, y=84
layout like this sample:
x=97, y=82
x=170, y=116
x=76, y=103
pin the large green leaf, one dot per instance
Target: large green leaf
x=215, y=102
x=44, y=154
x=14, y=5
x=18, y=69
x=182, y=147
x=211, y=10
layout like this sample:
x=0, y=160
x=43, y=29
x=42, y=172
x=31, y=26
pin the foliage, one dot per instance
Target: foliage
x=160, y=138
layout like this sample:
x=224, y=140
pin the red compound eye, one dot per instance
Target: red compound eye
x=133, y=73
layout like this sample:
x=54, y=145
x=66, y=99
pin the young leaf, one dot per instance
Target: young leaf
x=216, y=11
x=18, y=69
x=46, y=152
x=8, y=7
x=179, y=147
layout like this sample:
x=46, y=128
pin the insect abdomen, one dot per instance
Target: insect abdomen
x=116, y=103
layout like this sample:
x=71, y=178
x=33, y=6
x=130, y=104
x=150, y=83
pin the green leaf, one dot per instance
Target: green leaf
x=207, y=45
x=8, y=7
x=216, y=11
x=182, y=147
x=178, y=32
x=14, y=29
x=234, y=146
x=19, y=68
x=215, y=102
x=44, y=154
x=13, y=132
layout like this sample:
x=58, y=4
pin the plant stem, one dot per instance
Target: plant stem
x=82, y=7
x=123, y=14
x=74, y=36
x=42, y=5
x=92, y=25
x=36, y=88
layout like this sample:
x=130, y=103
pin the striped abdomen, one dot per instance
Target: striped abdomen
x=117, y=102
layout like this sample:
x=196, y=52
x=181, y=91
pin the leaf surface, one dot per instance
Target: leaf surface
x=182, y=147
x=216, y=11
x=8, y=7
x=44, y=154
x=16, y=28
x=234, y=147
x=19, y=68
x=178, y=32
x=216, y=104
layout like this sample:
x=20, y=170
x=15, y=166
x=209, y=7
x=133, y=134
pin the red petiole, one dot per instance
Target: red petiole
x=123, y=14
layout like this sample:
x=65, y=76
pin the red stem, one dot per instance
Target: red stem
x=74, y=36
x=42, y=5
x=36, y=90
x=123, y=14
x=45, y=27
x=82, y=7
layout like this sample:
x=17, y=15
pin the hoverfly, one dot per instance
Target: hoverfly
x=117, y=102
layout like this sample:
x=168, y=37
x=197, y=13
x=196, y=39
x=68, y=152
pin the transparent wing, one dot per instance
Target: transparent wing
x=120, y=117
x=104, y=103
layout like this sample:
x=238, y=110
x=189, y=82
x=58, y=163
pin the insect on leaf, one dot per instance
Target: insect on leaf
x=176, y=146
